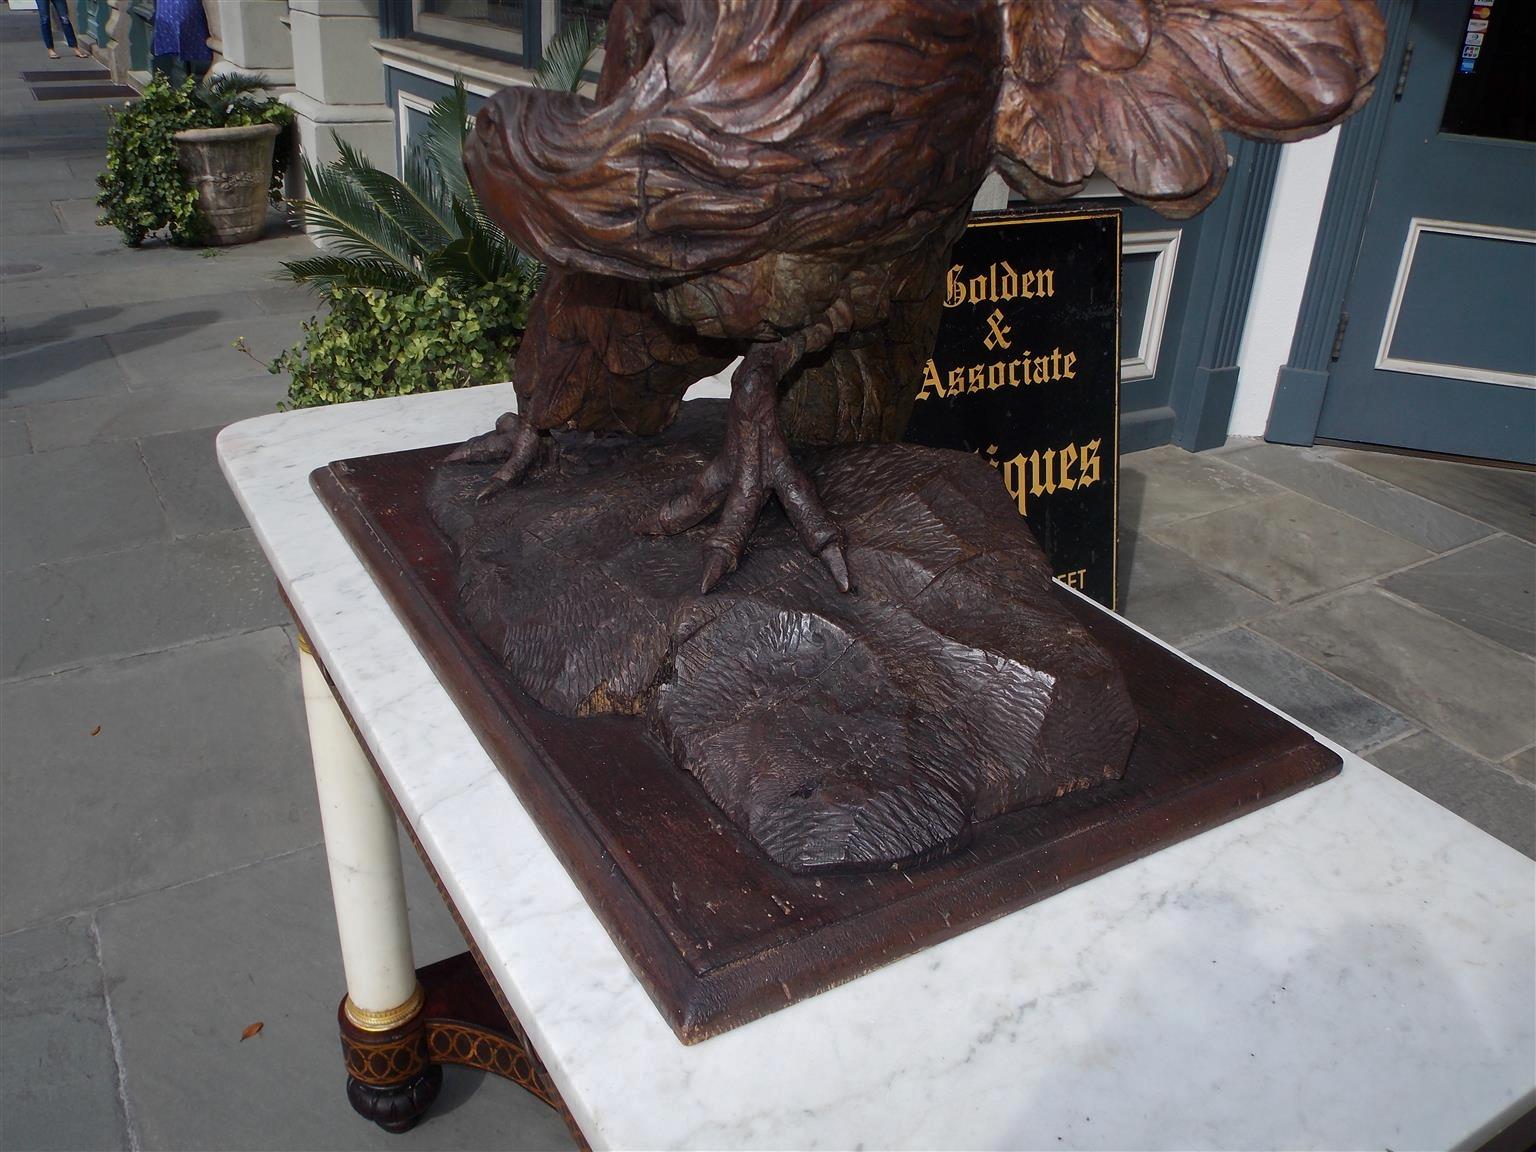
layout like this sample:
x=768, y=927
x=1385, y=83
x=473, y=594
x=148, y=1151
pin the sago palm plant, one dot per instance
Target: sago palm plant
x=401, y=234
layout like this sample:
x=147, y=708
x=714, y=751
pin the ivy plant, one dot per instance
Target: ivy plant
x=142, y=190
x=373, y=342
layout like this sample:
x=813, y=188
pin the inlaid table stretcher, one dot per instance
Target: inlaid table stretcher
x=1353, y=966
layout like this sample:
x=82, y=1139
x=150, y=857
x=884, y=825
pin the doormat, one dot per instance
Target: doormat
x=73, y=75
x=83, y=92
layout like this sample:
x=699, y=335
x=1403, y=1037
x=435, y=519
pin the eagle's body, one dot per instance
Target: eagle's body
x=785, y=179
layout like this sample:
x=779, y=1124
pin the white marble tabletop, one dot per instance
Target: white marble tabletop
x=1354, y=967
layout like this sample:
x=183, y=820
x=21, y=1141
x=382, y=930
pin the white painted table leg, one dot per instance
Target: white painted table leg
x=363, y=850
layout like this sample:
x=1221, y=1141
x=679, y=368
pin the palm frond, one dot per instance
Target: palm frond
x=567, y=55
x=228, y=87
x=422, y=179
x=441, y=142
x=481, y=255
x=417, y=217
x=347, y=272
x=341, y=213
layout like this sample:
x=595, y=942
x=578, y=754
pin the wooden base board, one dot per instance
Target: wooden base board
x=716, y=933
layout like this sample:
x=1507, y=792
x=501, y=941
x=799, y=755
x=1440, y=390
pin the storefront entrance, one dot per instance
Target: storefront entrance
x=1435, y=343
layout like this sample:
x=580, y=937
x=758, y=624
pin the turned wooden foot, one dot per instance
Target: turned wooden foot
x=390, y=1077
x=395, y=1060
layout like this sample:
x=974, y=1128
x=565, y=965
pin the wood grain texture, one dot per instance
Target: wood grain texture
x=716, y=933
x=837, y=731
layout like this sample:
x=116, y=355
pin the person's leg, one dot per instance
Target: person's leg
x=62, y=8
x=42, y=15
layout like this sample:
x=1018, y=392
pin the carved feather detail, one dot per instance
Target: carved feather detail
x=1141, y=89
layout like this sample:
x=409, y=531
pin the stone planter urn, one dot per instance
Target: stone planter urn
x=231, y=169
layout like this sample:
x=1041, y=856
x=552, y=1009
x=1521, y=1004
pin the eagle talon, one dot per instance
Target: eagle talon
x=836, y=563
x=718, y=564
x=516, y=442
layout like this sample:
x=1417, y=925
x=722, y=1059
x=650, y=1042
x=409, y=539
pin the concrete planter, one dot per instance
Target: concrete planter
x=231, y=169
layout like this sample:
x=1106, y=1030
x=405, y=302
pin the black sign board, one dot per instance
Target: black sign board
x=1026, y=373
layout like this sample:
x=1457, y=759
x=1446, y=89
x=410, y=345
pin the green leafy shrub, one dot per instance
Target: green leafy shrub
x=142, y=189
x=435, y=336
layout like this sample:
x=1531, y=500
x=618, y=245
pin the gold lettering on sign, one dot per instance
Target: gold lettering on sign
x=1066, y=469
x=999, y=283
x=1074, y=579
x=1015, y=373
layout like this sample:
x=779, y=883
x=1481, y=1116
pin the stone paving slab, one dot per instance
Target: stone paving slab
x=1475, y=692
x=199, y=353
x=1468, y=785
x=58, y=1079
x=75, y=502
x=144, y=599
x=128, y=415
x=287, y=299
x=85, y=168
x=193, y=966
x=52, y=171
x=1315, y=474
x=1489, y=587
x=1523, y=765
x=60, y=258
x=1288, y=548
x=1283, y=679
x=80, y=214
x=1502, y=497
x=42, y=191
x=15, y=438
x=56, y=296
x=168, y=280
x=64, y=371
x=1174, y=598
x=186, y=475
x=140, y=318
x=28, y=218
x=200, y=765
x=1164, y=485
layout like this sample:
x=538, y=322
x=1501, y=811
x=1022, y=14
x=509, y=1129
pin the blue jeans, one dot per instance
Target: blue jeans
x=62, y=7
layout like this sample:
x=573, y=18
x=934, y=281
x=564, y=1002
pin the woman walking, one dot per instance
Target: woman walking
x=62, y=7
x=180, y=45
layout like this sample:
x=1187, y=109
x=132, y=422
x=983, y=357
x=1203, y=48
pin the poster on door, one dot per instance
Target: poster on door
x=1025, y=373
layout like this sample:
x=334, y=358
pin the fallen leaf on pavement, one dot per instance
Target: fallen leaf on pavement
x=251, y=1030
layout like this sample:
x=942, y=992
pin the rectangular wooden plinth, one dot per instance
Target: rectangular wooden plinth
x=719, y=935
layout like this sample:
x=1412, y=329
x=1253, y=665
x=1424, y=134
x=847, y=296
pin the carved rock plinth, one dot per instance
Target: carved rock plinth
x=838, y=731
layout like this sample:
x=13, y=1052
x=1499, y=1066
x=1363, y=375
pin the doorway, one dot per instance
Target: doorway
x=1434, y=348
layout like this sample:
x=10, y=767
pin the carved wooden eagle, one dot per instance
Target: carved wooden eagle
x=784, y=179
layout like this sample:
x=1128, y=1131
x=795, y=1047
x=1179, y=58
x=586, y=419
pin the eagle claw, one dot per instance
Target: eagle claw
x=515, y=442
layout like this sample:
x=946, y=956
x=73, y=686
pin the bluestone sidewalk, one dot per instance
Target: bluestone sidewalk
x=162, y=882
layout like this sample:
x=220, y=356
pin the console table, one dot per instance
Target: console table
x=1353, y=967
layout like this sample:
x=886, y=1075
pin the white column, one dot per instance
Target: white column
x=363, y=851
x=253, y=39
x=340, y=81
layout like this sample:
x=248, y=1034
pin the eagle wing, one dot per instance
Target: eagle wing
x=1140, y=90
x=742, y=128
